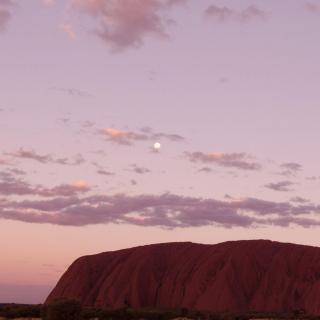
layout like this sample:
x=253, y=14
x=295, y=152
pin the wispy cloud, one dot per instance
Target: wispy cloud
x=128, y=138
x=45, y=158
x=299, y=200
x=5, y=13
x=293, y=166
x=123, y=137
x=71, y=91
x=10, y=185
x=161, y=135
x=290, y=168
x=166, y=210
x=104, y=172
x=223, y=13
x=205, y=170
x=313, y=178
x=4, y=162
x=283, y=186
x=124, y=24
x=139, y=170
x=312, y=7
x=68, y=29
x=48, y=3
x=233, y=160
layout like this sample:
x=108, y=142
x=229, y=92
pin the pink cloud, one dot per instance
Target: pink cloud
x=5, y=14
x=219, y=13
x=123, y=137
x=123, y=24
x=290, y=168
x=146, y=134
x=68, y=29
x=223, y=13
x=283, y=186
x=45, y=158
x=9, y=185
x=232, y=160
x=140, y=170
x=166, y=210
x=312, y=7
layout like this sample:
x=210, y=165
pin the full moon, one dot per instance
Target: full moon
x=157, y=146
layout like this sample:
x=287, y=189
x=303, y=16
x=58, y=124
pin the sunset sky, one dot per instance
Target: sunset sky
x=229, y=88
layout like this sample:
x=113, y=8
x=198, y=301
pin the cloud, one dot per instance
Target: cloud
x=292, y=166
x=166, y=210
x=171, y=137
x=127, y=138
x=5, y=14
x=10, y=185
x=140, y=170
x=70, y=91
x=18, y=172
x=232, y=160
x=205, y=170
x=45, y=159
x=65, y=190
x=3, y=162
x=252, y=12
x=223, y=13
x=290, y=169
x=283, y=186
x=176, y=2
x=124, y=24
x=313, y=178
x=123, y=137
x=219, y=13
x=312, y=7
x=48, y=3
x=299, y=200
x=104, y=172
x=68, y=29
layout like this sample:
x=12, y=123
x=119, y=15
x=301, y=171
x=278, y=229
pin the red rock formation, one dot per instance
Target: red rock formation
x=232, y=276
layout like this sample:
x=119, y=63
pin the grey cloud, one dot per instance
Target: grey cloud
x=291, y=166
x=205, y=170
x=72, y=92
x=280, y=186
x=128, y=138
x=10, y=185
x=104, y=172
x=313, y=178
x=299, y=199
x=16, y=171
x=124, y=24
x=233, y=160
x=5, y=14
x=166, y=210
x=140, y=170
x=223, y=13
x=312, y=7
x=45, y=159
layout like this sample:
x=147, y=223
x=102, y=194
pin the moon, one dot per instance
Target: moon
x=157, y=146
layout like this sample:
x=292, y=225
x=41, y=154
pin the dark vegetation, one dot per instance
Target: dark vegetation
x=12, y=310
x=71, y=310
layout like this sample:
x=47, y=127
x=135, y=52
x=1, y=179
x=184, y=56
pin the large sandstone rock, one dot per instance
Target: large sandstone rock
x=234, y=276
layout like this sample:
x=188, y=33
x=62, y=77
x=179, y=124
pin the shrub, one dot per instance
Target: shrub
x=63, y=309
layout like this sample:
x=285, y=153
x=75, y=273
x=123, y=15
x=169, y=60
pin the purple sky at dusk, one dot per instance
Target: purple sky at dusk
x=229, y=88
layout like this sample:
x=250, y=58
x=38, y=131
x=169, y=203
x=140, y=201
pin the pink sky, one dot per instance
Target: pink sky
x=230, y=89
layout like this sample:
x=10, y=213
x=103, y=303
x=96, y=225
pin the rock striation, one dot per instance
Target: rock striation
x=237, y=276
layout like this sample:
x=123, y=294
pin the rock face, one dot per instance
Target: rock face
x=237, y=276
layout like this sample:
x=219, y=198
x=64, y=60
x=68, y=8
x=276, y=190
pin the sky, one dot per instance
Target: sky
x=229, y=91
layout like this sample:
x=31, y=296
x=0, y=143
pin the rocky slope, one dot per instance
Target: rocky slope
x=255, y=275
